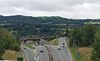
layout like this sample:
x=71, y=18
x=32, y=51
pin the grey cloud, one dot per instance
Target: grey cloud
x=44, y=5
x=33, y=5
x=79, y=2
x=66, y=8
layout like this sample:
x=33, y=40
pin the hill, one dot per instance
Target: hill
x=28, y=25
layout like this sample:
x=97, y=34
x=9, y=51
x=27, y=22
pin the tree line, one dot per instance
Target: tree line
x=8, y=41
x=86, y=36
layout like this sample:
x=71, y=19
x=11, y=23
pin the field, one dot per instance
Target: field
x=10, y=55
x=92, y=23
x=85, y=54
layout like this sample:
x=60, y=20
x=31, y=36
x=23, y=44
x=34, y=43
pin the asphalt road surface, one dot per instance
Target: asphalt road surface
x=28, y=53
x=54, y=53
x=42, y=53
x=64, y=48
x=49, y=52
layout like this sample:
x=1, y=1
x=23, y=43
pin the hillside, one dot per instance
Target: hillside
x=28, y=25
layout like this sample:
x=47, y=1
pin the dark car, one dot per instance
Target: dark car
x=63, y=43
x=59, y=49
x=63, y=46
x=41, y=51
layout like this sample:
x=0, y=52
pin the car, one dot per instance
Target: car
x=59, y=49
x=63, y=43
x=63, y=46
x=41, y=51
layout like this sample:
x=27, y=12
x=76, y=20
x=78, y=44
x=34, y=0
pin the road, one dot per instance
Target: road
x=65, y=49
x=49, y=52
x=43, y=56
x=52, y=53
x=28, y=53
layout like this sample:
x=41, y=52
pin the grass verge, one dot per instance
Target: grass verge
x=53, y=42
x=30, y=46
x=85, y=54
x=74, y=54
x=10, y=55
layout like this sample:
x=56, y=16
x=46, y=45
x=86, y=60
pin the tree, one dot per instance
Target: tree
x=66, y=32
x=75, y=37
x=83, y=36
x=88, y=33
x=96, y=50
x=7, y=41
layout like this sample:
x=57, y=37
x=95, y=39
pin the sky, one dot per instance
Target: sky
x=77, y=9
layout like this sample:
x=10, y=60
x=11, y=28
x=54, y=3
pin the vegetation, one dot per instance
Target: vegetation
x=74, y=54
x=80, y=32
x=82, y=36
x=10, y=55
x=53, y=42
x=85, y=53
x=49, y=26
x=30, y=46
x=86, y=36
x=7, y=41
x=96, y=51
x=92, y=22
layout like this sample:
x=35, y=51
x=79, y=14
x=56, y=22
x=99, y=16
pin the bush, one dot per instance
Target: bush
x=7, y=41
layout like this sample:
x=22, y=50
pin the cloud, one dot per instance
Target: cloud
x=64, y=8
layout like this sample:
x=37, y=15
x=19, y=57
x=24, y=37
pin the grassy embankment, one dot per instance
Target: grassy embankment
x=53, y=42
x=85, y=54
x=12, y=55
x=30, y=46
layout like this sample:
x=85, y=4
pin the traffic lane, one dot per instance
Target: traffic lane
x=62, y=41
x=62, y=55
x=53, y=50
x=42, y=53
x=28, y=53
x=45, y=54
x=65, y=49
